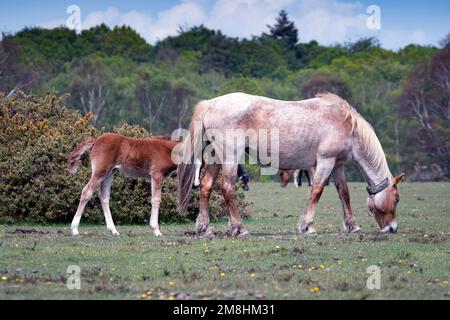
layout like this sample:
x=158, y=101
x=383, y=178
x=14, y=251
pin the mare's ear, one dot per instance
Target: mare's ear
x=398, y=178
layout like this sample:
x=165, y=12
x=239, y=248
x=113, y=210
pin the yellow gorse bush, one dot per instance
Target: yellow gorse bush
x=36, y=136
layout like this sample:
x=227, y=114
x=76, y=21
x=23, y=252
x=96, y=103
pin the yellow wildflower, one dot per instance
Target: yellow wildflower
x=314, y=290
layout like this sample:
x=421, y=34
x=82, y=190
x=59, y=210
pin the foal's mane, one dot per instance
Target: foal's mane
x=369, y=143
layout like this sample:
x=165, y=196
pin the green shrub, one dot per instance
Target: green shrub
x=36, y=136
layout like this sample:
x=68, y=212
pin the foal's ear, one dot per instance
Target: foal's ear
x=398, y=178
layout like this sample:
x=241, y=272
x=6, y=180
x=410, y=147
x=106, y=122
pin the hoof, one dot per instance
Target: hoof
x=202, y=227
x=351, y=227
x=114, y=232
x=244, y=235
x=208, y=234
x=75, y=232
x=239, y=232
x=307, y=228
x=157, y=233
x=195, y=187
x=310, y=230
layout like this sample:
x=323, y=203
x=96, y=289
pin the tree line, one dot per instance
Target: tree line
x=115, y=74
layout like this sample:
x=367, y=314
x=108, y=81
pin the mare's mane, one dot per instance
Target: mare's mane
x=369, y=143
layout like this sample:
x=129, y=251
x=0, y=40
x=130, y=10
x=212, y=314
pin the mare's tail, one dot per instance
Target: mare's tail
x=190, y=149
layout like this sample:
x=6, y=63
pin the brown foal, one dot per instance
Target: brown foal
x=144, y=158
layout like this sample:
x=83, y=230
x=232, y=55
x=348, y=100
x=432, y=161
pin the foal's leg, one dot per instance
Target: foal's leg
x=340, y=181
x=86, y=194
x=104, y=195
x=157, y=182
x=323, y=170
x=237, y=229
x=202, y=222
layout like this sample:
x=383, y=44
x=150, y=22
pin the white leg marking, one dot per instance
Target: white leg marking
x=296, y=172
x=198, y=165
x=105, y=190
x=156, y=200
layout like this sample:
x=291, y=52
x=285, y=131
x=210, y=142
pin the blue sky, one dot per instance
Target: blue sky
x=328, y=21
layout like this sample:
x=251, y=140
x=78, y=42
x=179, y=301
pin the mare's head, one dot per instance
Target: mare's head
x=383, y=205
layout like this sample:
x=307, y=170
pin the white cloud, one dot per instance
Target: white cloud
x=418, y=36
x=327, y=21
x=139, y=22
x=109, y=17
x=167, y=22
x=396, y=39
x=186, y=13
x=53, y=24
x=243, y=18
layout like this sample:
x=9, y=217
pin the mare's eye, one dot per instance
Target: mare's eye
x=397, y=198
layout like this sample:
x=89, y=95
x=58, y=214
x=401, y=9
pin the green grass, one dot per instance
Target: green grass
x=275, y=262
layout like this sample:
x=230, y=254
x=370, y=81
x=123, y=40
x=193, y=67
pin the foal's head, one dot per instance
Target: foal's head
x=383, y=205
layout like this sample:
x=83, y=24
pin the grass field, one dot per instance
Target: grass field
x=275, y=263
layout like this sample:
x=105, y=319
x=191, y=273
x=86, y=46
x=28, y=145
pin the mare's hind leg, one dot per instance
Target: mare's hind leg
x=237, y=229
x=323, y=170
x=340, y=181
x=198, y=168
x=297, y=182
x=104, y=195
x=157, y=182
x=86, y=195
x=202, y=222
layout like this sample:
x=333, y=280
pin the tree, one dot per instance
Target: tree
x=165, y=99
x=14, y=75
x=152, y=91
x=362, y=44
x=91, y=85
x=426, y=98
x=284, y=30
x=321, y=82
x=219, y=55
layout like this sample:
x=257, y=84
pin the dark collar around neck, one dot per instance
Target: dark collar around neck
x=373, y=190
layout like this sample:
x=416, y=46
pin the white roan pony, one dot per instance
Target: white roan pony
x=324, y=132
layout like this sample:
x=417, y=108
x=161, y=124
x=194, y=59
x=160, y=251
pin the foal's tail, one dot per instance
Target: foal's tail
x=77, y=152
x=190, y=149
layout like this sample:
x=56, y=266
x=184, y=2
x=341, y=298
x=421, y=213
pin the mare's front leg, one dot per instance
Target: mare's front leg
x=237, y=229
x=323, y=170
x=157, y=182
x=340, y=181
x=207, y=184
